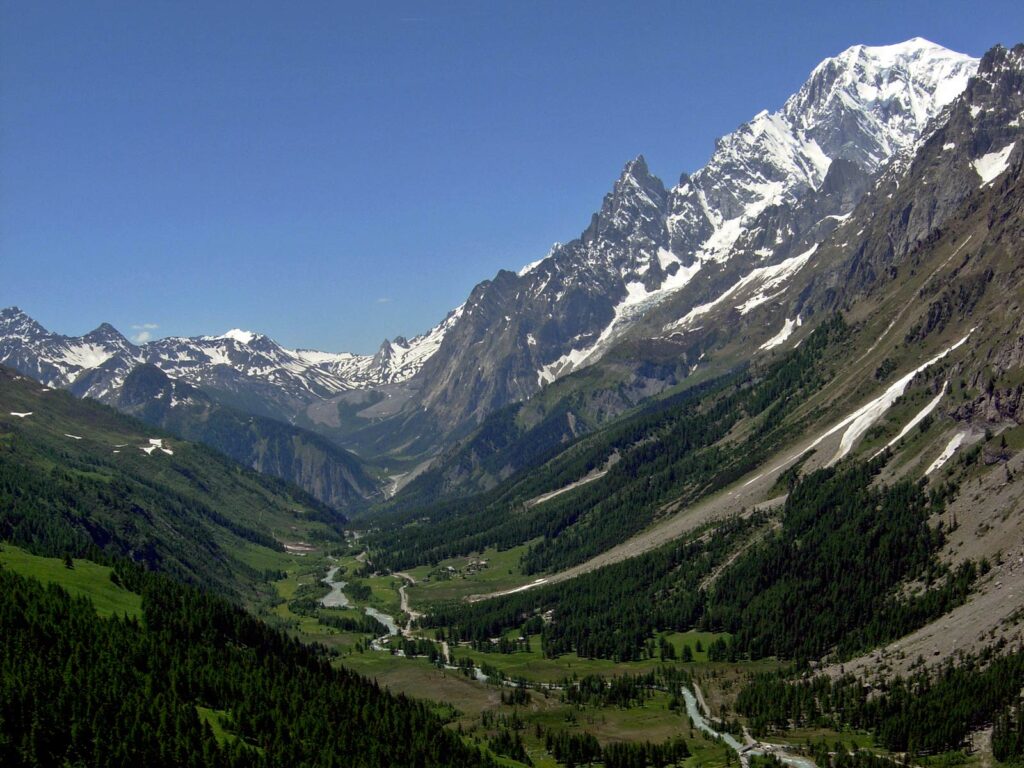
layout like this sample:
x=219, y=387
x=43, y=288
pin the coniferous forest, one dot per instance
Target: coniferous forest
x=826, y=580
x=76, y=689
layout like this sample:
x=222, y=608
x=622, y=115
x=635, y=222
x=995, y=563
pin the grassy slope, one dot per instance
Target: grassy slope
x=85, y=579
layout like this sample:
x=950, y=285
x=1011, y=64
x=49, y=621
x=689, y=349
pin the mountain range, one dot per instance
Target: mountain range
x=771, y=192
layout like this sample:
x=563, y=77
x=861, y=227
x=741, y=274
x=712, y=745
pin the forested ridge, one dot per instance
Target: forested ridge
x=273, y=447
x=79, y=690
x=610, y=613
x=73, y=480
x=540, y=451
x=930, y=711
x=825, y=579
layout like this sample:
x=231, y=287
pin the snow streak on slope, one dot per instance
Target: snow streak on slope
x=780, y=338
x=918, y=418
x=947, y=452
x=858, y=422
x=638, y=300
x=767, y=281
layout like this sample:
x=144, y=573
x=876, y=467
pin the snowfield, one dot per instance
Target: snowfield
x=993, y=165
x=858, y=422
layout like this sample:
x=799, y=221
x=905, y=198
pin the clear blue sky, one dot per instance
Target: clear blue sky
x=334, y=173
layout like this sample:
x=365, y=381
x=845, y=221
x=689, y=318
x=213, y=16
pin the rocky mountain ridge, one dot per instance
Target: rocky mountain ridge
x=95, y=364
x=771, y=191
x=777, y=181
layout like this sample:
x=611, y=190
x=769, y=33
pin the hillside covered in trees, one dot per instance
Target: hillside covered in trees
x=79, y=478
x=825, y=578
x=76, y=689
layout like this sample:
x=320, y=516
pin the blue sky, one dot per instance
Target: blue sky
x=336, y=173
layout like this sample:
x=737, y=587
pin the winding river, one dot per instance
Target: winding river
x=384, y=618
x=693, y=709
x=338, y=599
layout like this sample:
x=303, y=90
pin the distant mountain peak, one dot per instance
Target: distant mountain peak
x=105, y=332
x=242, y=337
x=14, y=322
x=637, y=167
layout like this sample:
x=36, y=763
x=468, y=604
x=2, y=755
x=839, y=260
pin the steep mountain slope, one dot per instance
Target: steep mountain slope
x=767, y=187
x=913, y=403
x=752, y=311
x=313, y=463
x=78, y=477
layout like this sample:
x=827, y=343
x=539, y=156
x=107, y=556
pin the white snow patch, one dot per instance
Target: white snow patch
x=858, y=422
x=529, y=268
x=753, y=480
x=85, y=355
x=21, y=415
x=147, y=449
x=637, y=301
x=918, y=418
x=948, y=147
x=242, y=337
x=217, y=356
x=768, y=278
x=531, y=585
x=780, y=338
x=534, y=264
x=157, y=441
x=994, y=164
x=947, y=452
x=73, y=437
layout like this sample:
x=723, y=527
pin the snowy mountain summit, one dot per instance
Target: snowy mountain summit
x=771, y=189
x=868, y=105
x=651, y=257
x=96, y=364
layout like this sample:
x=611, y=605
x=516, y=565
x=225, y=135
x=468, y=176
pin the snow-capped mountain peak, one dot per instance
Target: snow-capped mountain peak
x=97, y=363
x=769, y=192
x=237, y=334
x=869, y=106
x=870, y=103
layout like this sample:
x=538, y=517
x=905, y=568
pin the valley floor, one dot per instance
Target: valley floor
x=476, y=688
